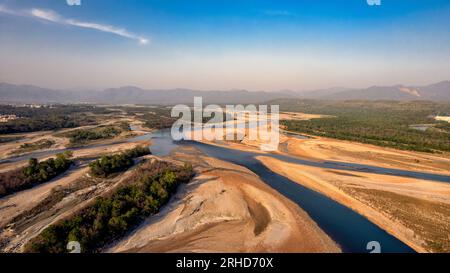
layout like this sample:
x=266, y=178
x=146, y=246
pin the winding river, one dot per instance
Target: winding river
x=349, y=229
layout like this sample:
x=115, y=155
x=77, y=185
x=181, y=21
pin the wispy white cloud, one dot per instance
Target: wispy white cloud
x=110, y=29
x=46, y=15
x=4, y=9
x=51, y=16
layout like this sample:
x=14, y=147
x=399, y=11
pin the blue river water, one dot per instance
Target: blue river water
x=347, y=228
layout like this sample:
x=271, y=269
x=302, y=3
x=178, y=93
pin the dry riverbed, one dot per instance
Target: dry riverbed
x=226, y=208
x=326, y=149
x=25, y=214
x=413, y=210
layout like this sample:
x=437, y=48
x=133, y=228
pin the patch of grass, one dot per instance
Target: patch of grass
x=34, y=146
x=429, y=220
x=83, y=136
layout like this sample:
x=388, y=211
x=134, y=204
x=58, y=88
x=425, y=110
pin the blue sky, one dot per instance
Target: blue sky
x=214, y=44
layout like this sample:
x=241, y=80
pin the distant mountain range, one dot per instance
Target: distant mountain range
x=10, y=93
x=438, y=91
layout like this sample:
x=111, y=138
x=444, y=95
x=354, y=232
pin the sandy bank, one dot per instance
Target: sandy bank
x=27, y=213
x=326, y=149
x=413, y=210
x=227, y=209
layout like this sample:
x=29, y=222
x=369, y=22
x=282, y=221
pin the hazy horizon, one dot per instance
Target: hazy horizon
x=245, y=45
x=87, y=88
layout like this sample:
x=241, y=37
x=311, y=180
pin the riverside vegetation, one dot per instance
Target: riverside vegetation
x=110, y=164
x=38, y=145
x=83, y=136
x=34, y=173
x=48, y=118
x=382, y=123
x=112, y=216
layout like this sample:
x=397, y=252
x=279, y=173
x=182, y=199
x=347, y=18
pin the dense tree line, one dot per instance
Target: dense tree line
x=110, y=217
x=155, y=121
x=59, y=110
x=159, y=117
x=24, y=125
x=82, y=136
x=155, y=117
x=47, y=118
x=382, y=123
x=110, y=164
x=34, y=173
x=162, y=119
